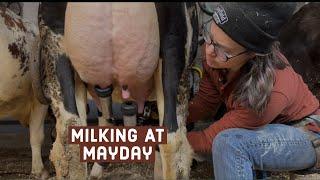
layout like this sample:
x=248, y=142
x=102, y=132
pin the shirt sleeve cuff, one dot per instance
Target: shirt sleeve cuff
x=197, y=140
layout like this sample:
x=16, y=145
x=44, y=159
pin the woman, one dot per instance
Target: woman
x=244, y=69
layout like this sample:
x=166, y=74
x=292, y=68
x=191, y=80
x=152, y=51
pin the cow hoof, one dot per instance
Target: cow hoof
x=96, y=172
x=44, y=175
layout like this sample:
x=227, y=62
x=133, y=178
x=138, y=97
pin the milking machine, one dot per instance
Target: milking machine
x=148, y=117
x=105, y=117
x=129, y=112
x=143, y=117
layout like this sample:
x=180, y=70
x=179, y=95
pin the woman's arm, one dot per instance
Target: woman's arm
x=201, y=141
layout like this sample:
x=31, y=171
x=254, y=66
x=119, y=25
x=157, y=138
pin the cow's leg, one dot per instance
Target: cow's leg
x=61, y=84
x=176, y=154
x=36, y=127
x=167, y=87
x=59, y=87
x=176, y=35
x=81, y=99
x=184, y=151
x=158, y=171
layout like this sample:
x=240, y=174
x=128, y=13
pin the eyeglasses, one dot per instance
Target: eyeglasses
x=223, y=56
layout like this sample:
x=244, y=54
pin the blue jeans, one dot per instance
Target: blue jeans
x=275, y=147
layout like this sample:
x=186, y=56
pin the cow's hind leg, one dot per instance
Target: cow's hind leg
x=81, y=99
x=174, y=159
x=36, y=127
x=177, y=51
x=158, y=170
x=185, y=151
x=61, y=85
x=165, y=164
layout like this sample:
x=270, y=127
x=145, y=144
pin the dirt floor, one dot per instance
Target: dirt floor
x=15, y=160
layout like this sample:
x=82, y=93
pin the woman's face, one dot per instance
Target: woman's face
x=225, y=53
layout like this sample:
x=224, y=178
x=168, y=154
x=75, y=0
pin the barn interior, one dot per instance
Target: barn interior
x=15, y=150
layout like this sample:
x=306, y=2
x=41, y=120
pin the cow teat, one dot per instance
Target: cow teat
x=125, y=92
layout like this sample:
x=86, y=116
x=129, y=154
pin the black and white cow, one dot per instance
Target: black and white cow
x=18, y=100
x=158, y=41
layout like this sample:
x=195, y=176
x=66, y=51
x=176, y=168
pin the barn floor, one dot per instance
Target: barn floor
x=15, y=160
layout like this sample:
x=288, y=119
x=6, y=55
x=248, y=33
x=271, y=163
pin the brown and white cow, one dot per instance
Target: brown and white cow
x=142, y=49
x=18, y=46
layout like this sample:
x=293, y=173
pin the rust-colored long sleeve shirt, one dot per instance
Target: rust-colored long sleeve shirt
x=290, y=100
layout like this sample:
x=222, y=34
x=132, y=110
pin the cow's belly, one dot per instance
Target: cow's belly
x=15, y=88
x=13, y=81
x=114, y=43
